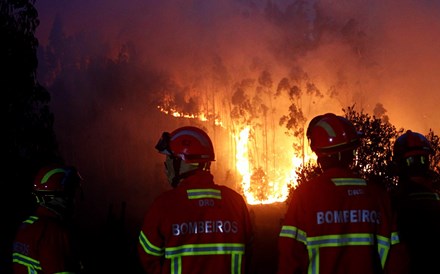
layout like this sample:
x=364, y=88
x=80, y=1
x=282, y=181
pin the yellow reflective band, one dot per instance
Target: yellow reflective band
x=50, y=173
x=424, y=196
x=383, y=246
x=355, y=239
x=294, y=233
x=328, y=128
x=201, y=193
x=31, y=220
x=204, y=249
x=236, y=263
x=149, y=247
x=32, y=264
x=176, y=253
x=176, y=265
x=349, y=181
x=341, y=240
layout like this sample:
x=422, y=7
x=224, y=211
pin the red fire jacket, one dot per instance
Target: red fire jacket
x=339, y=223
x=198, y=227
x=43, y=244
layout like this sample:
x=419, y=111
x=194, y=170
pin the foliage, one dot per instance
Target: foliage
x=29, y=139
x=374, y=156
x=29, y=131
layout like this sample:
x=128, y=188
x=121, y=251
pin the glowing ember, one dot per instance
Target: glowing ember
x=200, y=116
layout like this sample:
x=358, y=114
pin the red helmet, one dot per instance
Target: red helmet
x=330, y=134
x=56, y=180
x=191, y=144
x=411, y=144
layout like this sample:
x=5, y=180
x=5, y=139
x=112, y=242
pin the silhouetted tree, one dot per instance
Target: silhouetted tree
x=374, y=157
x=29, y=139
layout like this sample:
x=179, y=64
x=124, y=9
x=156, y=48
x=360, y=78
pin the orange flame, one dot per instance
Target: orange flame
x=200, y=116
x=272, y=187
x=259, y=186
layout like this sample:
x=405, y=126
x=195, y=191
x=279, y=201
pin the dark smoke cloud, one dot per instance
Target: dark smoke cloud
x=371, y=51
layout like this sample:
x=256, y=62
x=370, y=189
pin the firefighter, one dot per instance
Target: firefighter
x=44, y=243
x=197, y=226
x=417, y=201
x=337, y=222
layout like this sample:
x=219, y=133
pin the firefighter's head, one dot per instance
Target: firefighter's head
x=187, y=149
x=334, y=140
x=411, y=154
x=55, y=187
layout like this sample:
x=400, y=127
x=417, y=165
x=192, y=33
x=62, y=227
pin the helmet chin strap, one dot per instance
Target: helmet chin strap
x=62, y=206
x=182, y=170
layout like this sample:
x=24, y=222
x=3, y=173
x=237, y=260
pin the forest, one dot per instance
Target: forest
x=101, y=106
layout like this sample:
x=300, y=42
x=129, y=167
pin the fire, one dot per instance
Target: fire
x=263, y=187
x=200, y=116
x=265, y=179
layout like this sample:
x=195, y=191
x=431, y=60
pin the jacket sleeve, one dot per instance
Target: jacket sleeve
x=151, y=245
x=292, y=250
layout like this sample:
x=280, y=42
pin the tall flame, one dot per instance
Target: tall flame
x=272, y=186
x=259, y=185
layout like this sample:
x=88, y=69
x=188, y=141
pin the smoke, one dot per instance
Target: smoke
x=109, y=64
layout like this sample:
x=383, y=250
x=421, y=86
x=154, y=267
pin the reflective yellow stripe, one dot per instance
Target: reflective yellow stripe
x=424, y=196
x=175, y=254
x=50, y=173
x=236, y=263
x=176, y=265
x=355, y=239
x=341, y=240
x=32, y=264
x=204, y=193
x=294, y=232
x=349, y=181
x=31, y=220
x=149, y=247
x=204, y=249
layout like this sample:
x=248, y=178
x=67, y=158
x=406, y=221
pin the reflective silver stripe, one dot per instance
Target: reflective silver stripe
x=424, y=196
x=32, y=264
x=355, y=239
x=50, y=173
x=294, y=232
x=349, y=181
x=204, y=193
x=204, y=249
x=341, y=240
x=175, y=254
x=149, y=247
x=31, y=220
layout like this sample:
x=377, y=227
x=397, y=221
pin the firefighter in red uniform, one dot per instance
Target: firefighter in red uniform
x=417, y=202
x=43, y=243
x=198, y=226
x=337, y=222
